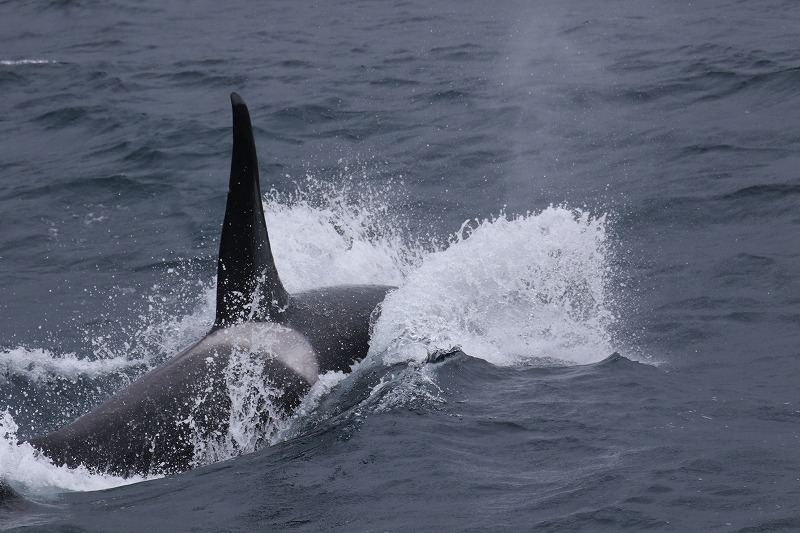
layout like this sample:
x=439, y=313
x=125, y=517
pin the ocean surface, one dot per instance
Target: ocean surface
x=592, y=207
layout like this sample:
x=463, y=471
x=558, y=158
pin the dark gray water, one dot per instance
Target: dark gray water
x=667, y=137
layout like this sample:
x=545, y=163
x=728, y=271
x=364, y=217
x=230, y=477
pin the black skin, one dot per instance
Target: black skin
x=139, y=430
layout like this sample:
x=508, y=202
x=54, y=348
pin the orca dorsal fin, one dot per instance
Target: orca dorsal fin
x=248, y=286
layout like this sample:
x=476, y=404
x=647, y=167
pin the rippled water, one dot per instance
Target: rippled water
x=546, y=183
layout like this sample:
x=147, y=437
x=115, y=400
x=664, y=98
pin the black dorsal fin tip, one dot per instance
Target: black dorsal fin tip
x=248, y=285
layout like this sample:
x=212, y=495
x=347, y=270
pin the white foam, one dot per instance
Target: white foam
x=515, y=290
x=335, y=240
x=33, y=474
x=38, y=364
x=14, y=62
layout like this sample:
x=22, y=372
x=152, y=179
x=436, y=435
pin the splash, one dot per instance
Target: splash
x=39, y=364
x=321, y=234
x=35, y=475
x=255, y=415
x=324, y=235
x=308, y=413
x=528, y=290
x=511, y=290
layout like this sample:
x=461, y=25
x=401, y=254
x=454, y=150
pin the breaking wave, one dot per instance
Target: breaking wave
x=510, y=290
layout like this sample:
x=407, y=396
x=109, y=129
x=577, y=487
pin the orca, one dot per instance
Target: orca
x=153, y=425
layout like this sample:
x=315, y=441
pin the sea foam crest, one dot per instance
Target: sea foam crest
x=14, y=62
x=38, y=364
x=509, y=290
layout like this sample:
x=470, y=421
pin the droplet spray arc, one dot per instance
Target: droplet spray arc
x=179, y=414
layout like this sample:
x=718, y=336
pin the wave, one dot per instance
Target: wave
x=14, y=62
x=39, y=364
x=511, y=290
